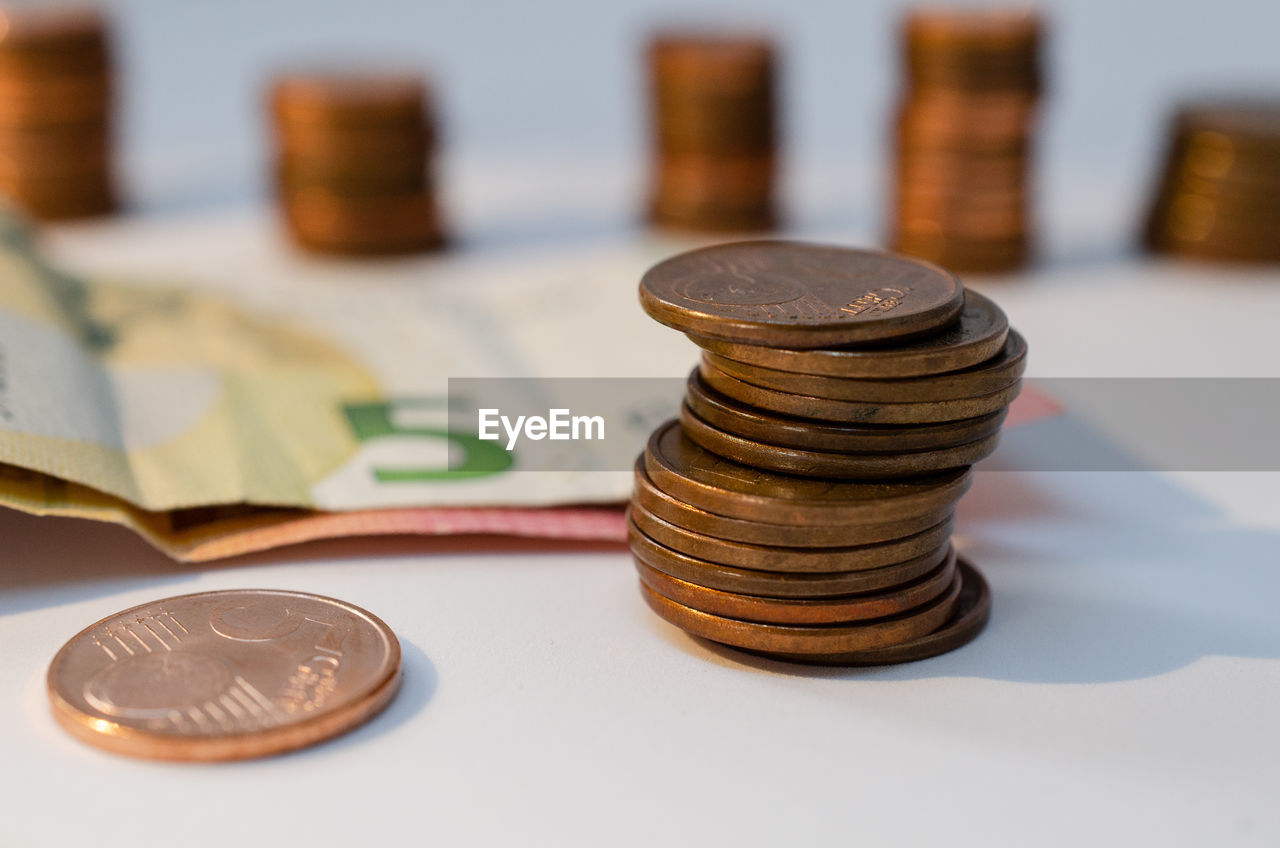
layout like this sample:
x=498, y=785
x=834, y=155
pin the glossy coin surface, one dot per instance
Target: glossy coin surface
x=224, y=675
x=799, y=295
x=975, y=337
x=689, y=472
x=856, y=412
x=801, y=639
x=776, y=584
x=789, y=559
x=823, y=464
x=972, y=610
x=675, y=511
x=747, y=422
x=839, y=610
x=995, y=374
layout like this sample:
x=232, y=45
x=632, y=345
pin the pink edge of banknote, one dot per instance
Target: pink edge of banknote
x=598, y=523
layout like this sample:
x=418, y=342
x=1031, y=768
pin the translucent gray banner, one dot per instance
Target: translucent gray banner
x=1075, y=424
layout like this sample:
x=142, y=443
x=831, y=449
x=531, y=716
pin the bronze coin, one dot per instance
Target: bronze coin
x=995, y=374
x=675, y=511
x=362, y=179
x=715, y=183
x=776, y=558
x=690, y=59
x=777, y=584
x=57, y=199
x=830, y=465
x=36, y=41
x=326, y=221
x=808, y=639
x=849, y=411
x=972, y=610
x=965, y=254
x=799, y=295
x=725, y=413
x=224, y=675
x=55, y=102
x=355, y=99
x=976, y=336
x=839, y=610
x=985, y=29
x=693, y=219
x=683, y=469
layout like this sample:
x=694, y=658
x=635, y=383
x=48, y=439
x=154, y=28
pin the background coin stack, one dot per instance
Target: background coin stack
x=713, y=132
x=963, y=138
x=802, y=506
x=1219, y=194
x=352, y=172
x=55, y=113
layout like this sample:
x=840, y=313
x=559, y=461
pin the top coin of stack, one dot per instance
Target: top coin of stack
x=1219, y=194
x=713, y=132
x=802, y=505
x=352, y=162
x=55, y=112
x=963, y=137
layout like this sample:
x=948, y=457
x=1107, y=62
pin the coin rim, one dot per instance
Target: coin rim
x=120, y=738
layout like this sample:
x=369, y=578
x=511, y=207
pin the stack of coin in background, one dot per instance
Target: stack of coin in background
x=351, y=167
x=714, y=133
x=802, y=505
x=1218, y=196
x=55, y=113
x=963, y=138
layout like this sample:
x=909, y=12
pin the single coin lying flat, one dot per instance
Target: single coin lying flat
x=224, y=675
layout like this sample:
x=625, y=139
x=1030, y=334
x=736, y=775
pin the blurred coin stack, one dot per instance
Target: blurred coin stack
x=55, y=112
x=1218, y=196
x=963, y=138
x=714, y=133
x=352, y=171
x=802, y=505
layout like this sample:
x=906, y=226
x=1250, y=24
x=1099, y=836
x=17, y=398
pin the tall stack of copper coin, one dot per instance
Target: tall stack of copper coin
x=1218, y=197
x=714, y=132
x=352, y=170
x=55, y=112
x=802, y=505
x=963, y=138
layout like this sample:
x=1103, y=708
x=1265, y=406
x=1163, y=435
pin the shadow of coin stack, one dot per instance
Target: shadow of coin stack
x=963, y=138
x=713, y=133
x=352, y=172
x=1218, y=197
x=55, y=113
x=802, y=505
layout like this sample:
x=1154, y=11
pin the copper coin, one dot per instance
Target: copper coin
x=788, y=559
x=995, y=374
x=747, y=220
x=778, y=584
x=976, y=336
x=865, y=412
x=40, y=40
x=700, y=478
x=965, y=254
x=725, y=60
x=224, y=675
x=675, y=511
x=358, y=179
x=59, y=199
x=350, y=99
x=968, y=618
x=831, y=465
x=322, y=219
x=799, y=295
x=725, y=413
x=811, y=639
x=973, y=28
x=838, y=610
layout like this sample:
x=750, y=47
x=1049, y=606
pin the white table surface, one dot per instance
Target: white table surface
x=1125, y=691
